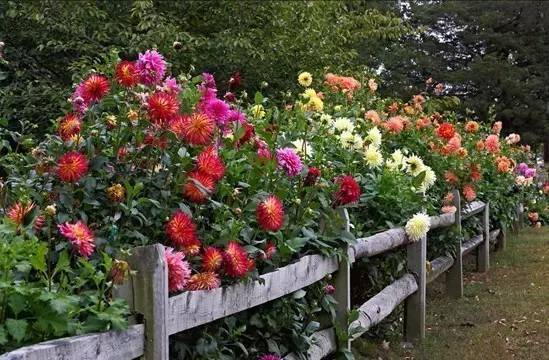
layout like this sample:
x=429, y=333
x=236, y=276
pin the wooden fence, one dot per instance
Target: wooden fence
x=147, y=294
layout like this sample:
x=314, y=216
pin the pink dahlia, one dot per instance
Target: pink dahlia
x=236, y=116
x=270, y=214
x=348, y=192
x=80, y=237
x=289, y=161
x=216, y=109
x=179, y=270
x=208, y=80
x=171, y=86
x=151, y=67
x=492, y=144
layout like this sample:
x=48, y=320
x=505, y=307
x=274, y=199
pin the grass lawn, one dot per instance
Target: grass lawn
x=503, y=315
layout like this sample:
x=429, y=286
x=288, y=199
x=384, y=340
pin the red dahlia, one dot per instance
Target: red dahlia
x=69, y=126
x=270, y=214
x=249, y=131
x=162, y=107
x=212, y=259
x=196, y=129
x=72, y=166
x=199, y=187
x=235, y=259
x=204, y=281
x=446, y=131
x=312, y=175
x=210, y=163
x=181, y=231
x=348, y=192
x=127, y=74
x=94, y=88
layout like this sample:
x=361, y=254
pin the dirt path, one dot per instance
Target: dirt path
x=503, y=315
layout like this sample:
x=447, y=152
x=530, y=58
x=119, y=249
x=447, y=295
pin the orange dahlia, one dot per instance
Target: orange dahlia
x=480, y=145
x=210, y=163
x=471, y=126
x=18, y=212
x=235, y=259
x=72, y=166
x=127, y=74
x=204, y=281
x=270, y=214
x=69, y=126
x=199, y=187
x=181, y=232
x=94, y=88
x=162, y=107
x=80, y=237
x=475, y=172
x=469, y=192
x=196, y=129
x=212, y=259
x=450, y=177
x=446, y=131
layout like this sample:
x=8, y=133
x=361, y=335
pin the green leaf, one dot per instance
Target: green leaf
x=17, y=328
x=299, y=294
x=38, y=260
x=3, y=335
x=258, y=98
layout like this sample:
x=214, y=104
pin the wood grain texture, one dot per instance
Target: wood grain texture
x=414, y=309
x=325, y=344
x=442, y=220
x=454, y=277
x=471, y=244
x=439, y=266
x=112, y=345
x=191, y=309
x=483, y=254
x=471, y=209
x=380, y=243
x=383, y=303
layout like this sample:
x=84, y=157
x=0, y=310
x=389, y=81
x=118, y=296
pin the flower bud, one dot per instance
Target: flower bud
x=51, y=210
x=177, y=45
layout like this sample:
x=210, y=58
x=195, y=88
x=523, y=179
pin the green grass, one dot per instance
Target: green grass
x=503, y=315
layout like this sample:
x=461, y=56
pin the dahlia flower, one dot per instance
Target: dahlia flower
x=414, y=165
x=450, y=177
x=373, y=156
x=496, y=128
x=521, y=168
x=126, y=74
x=269, y=357
x=374, y=137
x=216, y=109
x=373, y=116
x=343, y=124
x=181, y=232
x=313, y=174
x=270, y=214
x=257, y=111
x=209, y=162
x=289, y=161
x=19, y=211
x=530, y=173
x=171, y=86
x=116, y=193
x=445, y=131
x=80, y=237
x=329, y=289
x=269, y=251
x=199, y=187
x=394, y=124
x=448, y=198
x=249, y=132
x=72, y=166
x=162, y=107
x=94, y=88
x=69, y=127
x=372, y=85
x=208, y=80
x=471, y=126
x=504, y=164
x=349, y=140
x=204, y=281
x=448, y=209
x=303, y=148
x=469, y=193
x=151, y=67
x=212, y=259
x=348, y=192
x=397, y=161
x=235, y=260
x=428, y=180
x=264, y=154
x=512, y=139
x=418, y=226
x=196, y=129
x=342, y=83
x=305, y=79
x=480, y=145
x=179, y=270
x=492, y=144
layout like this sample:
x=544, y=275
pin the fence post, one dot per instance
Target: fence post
x=414, y=318
x=454, y=277
x=342, y=283
x=150, y=297
x=483, y=254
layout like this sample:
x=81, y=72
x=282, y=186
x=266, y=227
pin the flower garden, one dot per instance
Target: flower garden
x=234, y=186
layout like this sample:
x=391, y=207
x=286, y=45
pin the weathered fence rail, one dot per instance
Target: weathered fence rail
x=147, y=294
